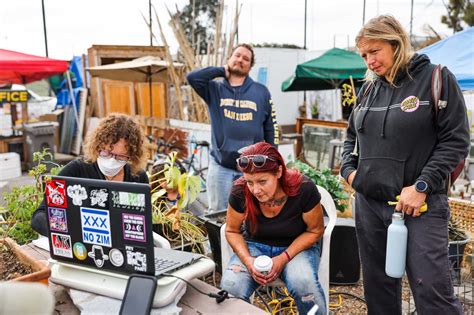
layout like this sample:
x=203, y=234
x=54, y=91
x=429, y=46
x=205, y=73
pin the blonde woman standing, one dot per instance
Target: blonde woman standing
x=397, y=145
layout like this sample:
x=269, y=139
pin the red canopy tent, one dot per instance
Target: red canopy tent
x=16, y=67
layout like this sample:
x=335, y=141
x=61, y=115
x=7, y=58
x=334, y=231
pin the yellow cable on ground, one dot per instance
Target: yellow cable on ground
x=339, y=304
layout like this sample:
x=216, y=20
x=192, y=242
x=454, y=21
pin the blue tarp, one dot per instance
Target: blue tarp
x=457, y=53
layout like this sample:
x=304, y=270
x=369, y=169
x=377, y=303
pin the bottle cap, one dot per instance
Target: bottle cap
x=397, y=215
x=263, y=263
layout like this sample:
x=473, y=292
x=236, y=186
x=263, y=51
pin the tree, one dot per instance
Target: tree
x=458, y=11
x=198, y=19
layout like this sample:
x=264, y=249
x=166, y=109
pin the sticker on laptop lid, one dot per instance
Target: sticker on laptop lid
x=56, y=193
x=116, y=257
x=57, y=219
x=95, y=224
x=61, y=245
x=98, y=255
x=136, y=258
x=128, y=200
x=77, y=193
x=99, y=197
x=80, y=251
x=133, y=227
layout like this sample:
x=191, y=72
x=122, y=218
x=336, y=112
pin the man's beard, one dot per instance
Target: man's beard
x=237, y=71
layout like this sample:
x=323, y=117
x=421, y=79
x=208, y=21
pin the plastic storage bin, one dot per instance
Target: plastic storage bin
x=10, y=165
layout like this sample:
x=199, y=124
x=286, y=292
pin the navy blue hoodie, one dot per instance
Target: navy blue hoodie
x=240, y=115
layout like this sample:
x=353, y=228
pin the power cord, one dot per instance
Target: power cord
x=220, y=296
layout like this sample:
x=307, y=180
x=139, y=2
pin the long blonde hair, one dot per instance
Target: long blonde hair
x=389, y=29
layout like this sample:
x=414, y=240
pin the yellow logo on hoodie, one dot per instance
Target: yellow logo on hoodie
x=410, y=104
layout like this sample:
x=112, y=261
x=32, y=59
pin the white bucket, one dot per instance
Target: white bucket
x=10, y=165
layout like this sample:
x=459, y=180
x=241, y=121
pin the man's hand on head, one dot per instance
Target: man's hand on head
x=227, y=72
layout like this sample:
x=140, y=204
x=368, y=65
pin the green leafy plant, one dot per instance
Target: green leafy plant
x=22, y=201
x=314, y=110
x=177, y=224
x=326, y=179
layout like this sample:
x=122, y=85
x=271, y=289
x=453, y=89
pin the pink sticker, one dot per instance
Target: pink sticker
x=410, y=104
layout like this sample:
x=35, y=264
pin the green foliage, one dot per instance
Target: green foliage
x=276, y=45
x=199, y=22
x=176, y=224
x=458, y=11
x=324, y=179
x=22, y=201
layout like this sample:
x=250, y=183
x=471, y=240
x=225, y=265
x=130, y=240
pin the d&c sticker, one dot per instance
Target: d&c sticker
x=133, y=227
x=96, y=226
x=80, y=251
x=97, y=254
x=77, y=193
x=61, y=245
x=56, y=193
x=57, y=219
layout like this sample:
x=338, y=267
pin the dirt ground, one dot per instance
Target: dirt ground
x=344, y=299
x=10, y=267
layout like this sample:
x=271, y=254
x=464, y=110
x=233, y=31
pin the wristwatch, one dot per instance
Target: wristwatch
x=421, y=186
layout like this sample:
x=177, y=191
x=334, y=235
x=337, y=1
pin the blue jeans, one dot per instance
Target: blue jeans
x=219, y=184
x=300, y=276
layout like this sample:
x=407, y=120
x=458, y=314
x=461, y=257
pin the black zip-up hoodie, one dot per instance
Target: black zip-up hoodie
x=399, y=140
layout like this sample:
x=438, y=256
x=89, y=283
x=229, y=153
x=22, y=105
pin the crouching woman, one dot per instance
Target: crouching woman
x=282, y=218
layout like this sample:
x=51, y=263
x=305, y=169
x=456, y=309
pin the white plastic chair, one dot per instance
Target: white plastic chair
x=330, y=221
x=160, y=241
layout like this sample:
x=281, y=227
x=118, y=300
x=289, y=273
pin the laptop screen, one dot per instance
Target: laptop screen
x=100, y=224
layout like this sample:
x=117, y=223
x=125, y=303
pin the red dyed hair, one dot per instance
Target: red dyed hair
x=290, y=180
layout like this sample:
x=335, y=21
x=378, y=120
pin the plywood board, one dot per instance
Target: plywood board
x=119, y=97
x=158, y=97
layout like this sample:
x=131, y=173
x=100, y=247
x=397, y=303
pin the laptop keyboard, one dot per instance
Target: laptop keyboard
x=162, y=264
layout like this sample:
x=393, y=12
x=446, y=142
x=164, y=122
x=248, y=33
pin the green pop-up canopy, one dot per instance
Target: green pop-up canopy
x=326, y=72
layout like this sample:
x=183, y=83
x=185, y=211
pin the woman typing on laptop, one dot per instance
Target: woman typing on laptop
x=113, y=151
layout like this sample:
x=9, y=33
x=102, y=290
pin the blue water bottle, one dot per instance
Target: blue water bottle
x=397, y=236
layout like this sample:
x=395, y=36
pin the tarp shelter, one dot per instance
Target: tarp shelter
x=457, y=53
x=16, y=67
x=326, y=72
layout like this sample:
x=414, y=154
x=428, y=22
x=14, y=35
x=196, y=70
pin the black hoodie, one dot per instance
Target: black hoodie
x=399, y=139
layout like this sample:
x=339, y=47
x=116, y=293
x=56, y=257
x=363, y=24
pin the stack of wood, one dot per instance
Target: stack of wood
x=219, y=50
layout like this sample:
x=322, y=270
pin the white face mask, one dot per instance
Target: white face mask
x=110, y=166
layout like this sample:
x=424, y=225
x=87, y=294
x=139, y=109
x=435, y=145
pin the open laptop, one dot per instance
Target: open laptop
x=106, y=225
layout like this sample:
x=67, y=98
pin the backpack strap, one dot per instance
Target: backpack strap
x=436, y=88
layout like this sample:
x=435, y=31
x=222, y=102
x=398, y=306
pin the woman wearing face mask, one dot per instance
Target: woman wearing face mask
x=113, y=151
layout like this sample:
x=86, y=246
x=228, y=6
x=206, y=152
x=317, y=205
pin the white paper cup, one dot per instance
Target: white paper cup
x=263, y=264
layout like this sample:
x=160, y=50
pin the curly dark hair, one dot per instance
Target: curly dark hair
x=109, y=131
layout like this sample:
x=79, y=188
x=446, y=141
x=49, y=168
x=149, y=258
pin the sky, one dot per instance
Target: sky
x=74, y=26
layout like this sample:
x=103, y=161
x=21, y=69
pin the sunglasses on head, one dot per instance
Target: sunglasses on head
x=258, y=161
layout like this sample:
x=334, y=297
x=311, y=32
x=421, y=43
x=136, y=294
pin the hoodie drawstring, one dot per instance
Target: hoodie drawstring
x=361, y=128
x=382, y=134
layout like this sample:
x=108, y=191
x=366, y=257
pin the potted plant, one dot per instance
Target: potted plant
x=172, y=191
x=314, y=110
x=15, y=227
x=458, y=239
